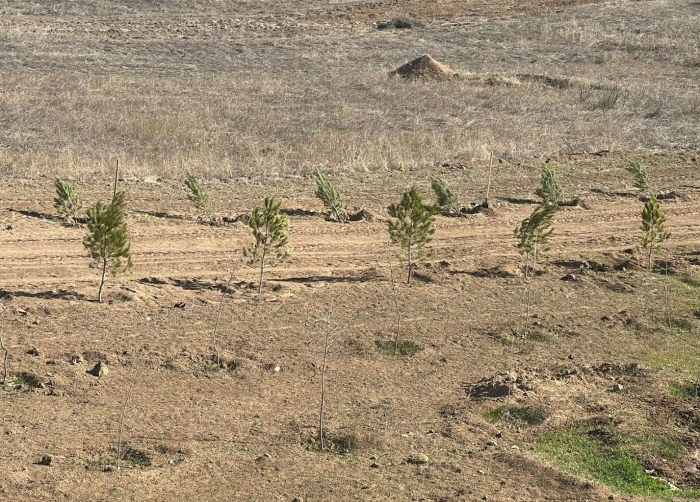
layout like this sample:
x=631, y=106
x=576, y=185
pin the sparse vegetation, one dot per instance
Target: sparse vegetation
x=198, y=196
x=404, y=348
x=413, y=227
x=447, y=199
x=550, y=190
x=601, y=453
x=271, y=232
x=653, y=227
x=641, y=178
x=107, y=239
x=67, y=201
x=330, y=197
x=527, y=414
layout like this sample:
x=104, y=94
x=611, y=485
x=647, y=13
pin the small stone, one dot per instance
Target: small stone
x=45, y=460
x=617, y=387
x=569, y=277
x=374, y=465
x=514, y=447
x=611, y=497
x=571, y=356
x=151, y=179
x=277, y=369
x=33, y=352
x=180, y=305
x=77, y=359
x=21, y=312
x=499, y=434
x=491, y=443
x=99, y=370
x=419, y=459
x=606, y=318
x=481, y=472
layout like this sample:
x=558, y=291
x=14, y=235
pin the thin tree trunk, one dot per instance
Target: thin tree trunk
x=410, y=263
x=323, y=394
x=488, y=186
x=396, y=306
x=116, y=180
x=7, y=352
x=262, y=271
x=666, y=299
x=102, y=282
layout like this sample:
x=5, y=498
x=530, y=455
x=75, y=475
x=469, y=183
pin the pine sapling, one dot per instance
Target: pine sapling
x=67, y=202
x=447, y=199
x=330, y=197
x=413, y=227
x=550, y=190
x=653, y=228
x=271, y=232
x=641, y=178
x=198, y=196
x=533, y=236
x=107, y=240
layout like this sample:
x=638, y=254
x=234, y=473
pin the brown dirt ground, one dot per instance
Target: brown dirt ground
x=240, y=435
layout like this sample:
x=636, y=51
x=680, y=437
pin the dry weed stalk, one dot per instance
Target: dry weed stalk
x=331, y=337
x=224, y=292
x=121, y=430
x=396, y=306
x=7, y=353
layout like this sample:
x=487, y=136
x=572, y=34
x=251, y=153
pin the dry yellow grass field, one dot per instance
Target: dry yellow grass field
x=598, y=403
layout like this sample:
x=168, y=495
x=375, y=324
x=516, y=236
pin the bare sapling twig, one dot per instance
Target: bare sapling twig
x=488, y=186
x=396, y=306
x=121, y=430
x=116, y=179
x=331, y=337
x=667, y=301
x=7, y=353
x=224, y=294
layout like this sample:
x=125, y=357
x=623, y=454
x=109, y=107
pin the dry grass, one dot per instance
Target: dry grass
x=264, y=95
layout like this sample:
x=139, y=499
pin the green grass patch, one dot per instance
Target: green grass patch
x=539, y=337
x=406, y=348
x=600, y=453
x=527, y=414
x=341, y=444
x=678, y=389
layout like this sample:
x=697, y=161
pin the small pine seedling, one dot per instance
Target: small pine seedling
x=271, y=232
x=413, y=227
x=330, y=197
x=653, y=228
x=641, y=178
x=67, y=202
x=550, y=190
x=197, y=195
x=107, y=240
x=533, y=235
x=447, y=199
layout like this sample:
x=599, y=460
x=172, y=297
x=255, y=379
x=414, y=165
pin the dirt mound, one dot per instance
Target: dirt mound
x=425, y=67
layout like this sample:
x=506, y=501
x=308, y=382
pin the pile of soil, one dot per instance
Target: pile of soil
x=425, y=67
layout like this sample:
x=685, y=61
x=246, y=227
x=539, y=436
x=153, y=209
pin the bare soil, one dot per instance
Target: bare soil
x=243, y=434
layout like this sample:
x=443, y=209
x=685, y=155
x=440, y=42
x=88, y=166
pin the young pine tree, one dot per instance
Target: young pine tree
x=550, y=190
x=446, y=198
x=641, y=178
x=413, y=226
x=533, y=236
x=330, y=197
x=67, y=202
x=107, y=240
x=653, y=228
x=271, y=232
x=198, y=196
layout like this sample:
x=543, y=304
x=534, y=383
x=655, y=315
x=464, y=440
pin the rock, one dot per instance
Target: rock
x=151, y=179
x=99, y=370
x=617, y=387
x=606, y=318
x=180, y=305
x=514, y=447
x=491, y=443
x=33, y=352
x=21, y=312
x=77, y=359
x=569, y=277
x=374, y=465
x=45, y=460
x=481, y=472
x=418, y=459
